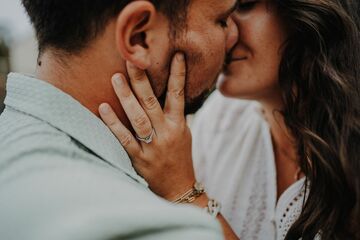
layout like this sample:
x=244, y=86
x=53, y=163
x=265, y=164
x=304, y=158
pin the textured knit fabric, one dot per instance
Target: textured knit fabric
x=63, y=175
x=234, y=158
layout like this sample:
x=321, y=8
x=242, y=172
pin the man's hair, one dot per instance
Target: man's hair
x=69, y=25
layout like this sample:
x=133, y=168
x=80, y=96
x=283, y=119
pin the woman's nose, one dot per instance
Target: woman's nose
x=233, y=34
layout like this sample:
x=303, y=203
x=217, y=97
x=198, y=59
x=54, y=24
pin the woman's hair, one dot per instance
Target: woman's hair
x=319, y=77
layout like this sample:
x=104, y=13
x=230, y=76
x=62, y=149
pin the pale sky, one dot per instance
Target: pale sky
x=13, y=17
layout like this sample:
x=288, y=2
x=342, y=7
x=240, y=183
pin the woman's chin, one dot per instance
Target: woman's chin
x=225, y=90
x=224, y=85
x=230, y=87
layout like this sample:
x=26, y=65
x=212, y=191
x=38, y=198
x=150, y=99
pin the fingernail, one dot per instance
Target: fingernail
x=180, y=57
x=117, y=79
x=104, y=108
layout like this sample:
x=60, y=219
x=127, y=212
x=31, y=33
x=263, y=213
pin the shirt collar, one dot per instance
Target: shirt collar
x=48, y=103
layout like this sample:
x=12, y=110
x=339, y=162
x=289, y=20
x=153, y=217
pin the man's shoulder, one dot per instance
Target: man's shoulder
x=51, y=188
x=75, y=200
x=23, y=135
x=37, y=156
x=29, y=143
x=17, y=126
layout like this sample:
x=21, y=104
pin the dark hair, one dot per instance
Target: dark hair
x=69, y=25
x=319, y=77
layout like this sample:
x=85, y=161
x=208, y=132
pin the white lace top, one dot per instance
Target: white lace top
x=234, y=158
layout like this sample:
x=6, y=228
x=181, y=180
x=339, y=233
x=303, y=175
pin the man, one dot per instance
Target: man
x=63, y=175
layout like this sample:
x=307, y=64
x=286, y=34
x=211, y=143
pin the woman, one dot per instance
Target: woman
x=299, y=59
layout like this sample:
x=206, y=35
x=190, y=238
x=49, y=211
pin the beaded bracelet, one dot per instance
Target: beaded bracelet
x=213, y=208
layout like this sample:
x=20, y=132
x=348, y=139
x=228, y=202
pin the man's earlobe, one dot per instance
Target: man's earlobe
x=132, y=25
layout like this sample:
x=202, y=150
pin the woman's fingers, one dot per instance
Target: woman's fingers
x=137, y=116
x=175, y=98
x=144, y=93
x=124, y=136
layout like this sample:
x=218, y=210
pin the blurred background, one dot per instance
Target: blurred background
x=18, y=48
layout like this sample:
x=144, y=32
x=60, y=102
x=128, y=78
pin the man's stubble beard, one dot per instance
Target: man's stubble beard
x=192, y=104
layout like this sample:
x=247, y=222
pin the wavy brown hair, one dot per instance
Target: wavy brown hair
x=319, y=77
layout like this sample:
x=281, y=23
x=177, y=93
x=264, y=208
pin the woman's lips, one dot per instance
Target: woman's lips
x=234, y=59
x=226, y=70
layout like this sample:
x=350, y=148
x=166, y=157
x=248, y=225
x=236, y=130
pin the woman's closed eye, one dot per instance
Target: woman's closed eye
x=245, y=6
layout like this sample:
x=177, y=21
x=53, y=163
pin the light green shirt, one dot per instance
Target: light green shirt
x=63, y=175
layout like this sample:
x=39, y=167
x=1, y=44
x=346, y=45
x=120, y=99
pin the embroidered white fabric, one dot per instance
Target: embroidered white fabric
x=234, y=159
x=289, y=208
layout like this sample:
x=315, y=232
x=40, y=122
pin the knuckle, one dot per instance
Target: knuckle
x=150, y=103
x=136, y=154
x=145, y=132
x=115, y=127
x=125, y=140
x=179, y=74
x=168, y=139
x=177, y=93
x=138, y=75
x=112, y=124
x=141, y=121
x=140, y=162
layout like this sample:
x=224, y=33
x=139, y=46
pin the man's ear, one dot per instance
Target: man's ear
x=132, y=25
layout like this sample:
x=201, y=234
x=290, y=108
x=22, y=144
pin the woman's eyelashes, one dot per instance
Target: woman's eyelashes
x=245, y=6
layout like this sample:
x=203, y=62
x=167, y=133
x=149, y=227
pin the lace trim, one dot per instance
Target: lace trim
x=291, y=214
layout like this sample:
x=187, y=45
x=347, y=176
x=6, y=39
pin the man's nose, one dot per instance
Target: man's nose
x=233, y=34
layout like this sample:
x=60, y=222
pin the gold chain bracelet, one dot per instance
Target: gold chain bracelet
x=190, y=196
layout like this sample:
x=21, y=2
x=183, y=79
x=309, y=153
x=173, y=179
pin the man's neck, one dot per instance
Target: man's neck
x=85, y=77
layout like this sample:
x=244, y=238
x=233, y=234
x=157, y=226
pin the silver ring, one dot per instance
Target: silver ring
x=147, y=139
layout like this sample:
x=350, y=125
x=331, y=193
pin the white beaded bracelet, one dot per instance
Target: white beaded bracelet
x=213, y=208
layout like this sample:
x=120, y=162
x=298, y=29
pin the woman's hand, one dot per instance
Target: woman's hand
x=166, y=161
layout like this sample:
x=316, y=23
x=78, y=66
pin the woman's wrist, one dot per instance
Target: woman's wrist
x=191, y=194
x=201, y=201
x=175, y=191
x=197, y=196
